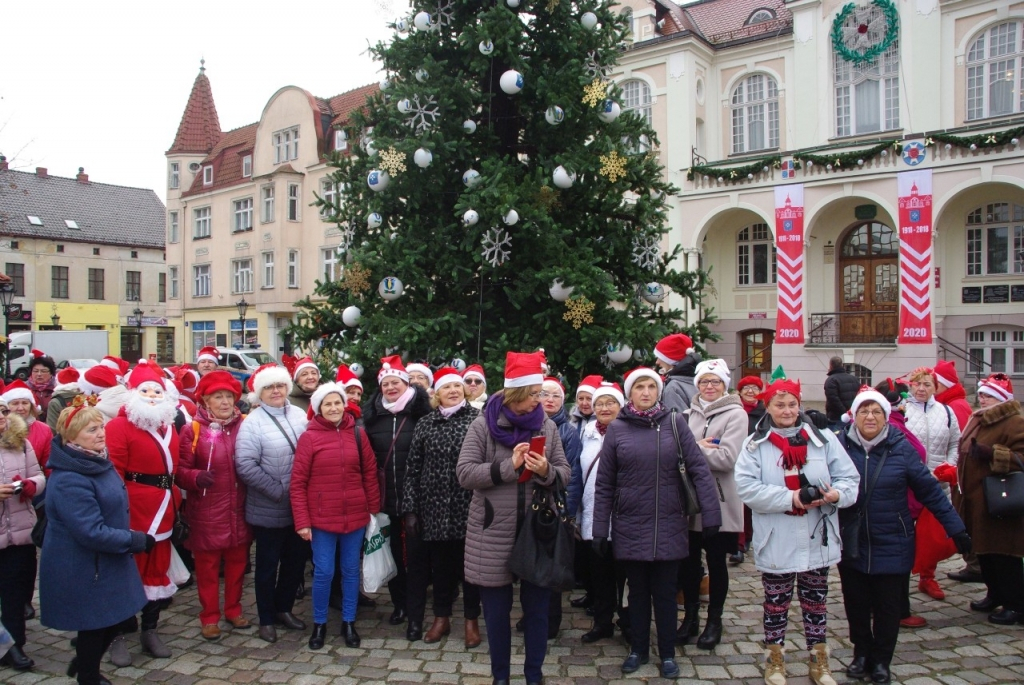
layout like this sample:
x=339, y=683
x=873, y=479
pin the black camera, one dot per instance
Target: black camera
x=809, y=493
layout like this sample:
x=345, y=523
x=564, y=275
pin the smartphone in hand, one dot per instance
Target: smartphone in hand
x=537, y=444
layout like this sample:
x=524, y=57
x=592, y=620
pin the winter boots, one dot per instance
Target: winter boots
x=774, y=665
x=818, y=669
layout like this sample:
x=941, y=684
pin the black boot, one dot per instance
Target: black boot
x=414, y=631
x=348, y=631
x=712, y=634
x=690, y=626
x=316, y=640
x=16, y=659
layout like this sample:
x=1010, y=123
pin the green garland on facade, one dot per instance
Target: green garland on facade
x=848, y=160
x=736, y=173
x=892, y=20
x=981, y=140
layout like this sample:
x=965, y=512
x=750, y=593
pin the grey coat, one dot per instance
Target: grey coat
x=263, y=461
x=485, y=467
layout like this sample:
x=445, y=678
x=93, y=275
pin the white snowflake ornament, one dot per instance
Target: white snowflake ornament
x=497, y=246
x=646, y=252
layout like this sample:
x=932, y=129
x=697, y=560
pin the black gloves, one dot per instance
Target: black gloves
x=600, y=547
x=150, y=542
x=204, y=479
x=709, y=531
x=963, y=542
x=412, y=525
x=979, y=451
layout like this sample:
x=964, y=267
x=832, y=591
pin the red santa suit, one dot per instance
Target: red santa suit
x=147, y=458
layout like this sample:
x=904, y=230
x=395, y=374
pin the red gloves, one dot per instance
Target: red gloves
x=28, y=488
x=945, y=473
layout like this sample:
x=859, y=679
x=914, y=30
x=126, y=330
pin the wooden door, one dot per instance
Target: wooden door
x=868, y=284
x=756, y=351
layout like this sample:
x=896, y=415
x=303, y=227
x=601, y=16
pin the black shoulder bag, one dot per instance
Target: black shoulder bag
x=849, y=531
x=545, y=547
x=692, y=504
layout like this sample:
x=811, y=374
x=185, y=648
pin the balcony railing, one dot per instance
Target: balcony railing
x=853, y=328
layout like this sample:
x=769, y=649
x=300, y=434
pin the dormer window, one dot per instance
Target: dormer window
x=760, y=15
x=340, y=140
x=286, y=145
x=71, y=223
x=207, y=175
x=247, y=166
x=34, y=220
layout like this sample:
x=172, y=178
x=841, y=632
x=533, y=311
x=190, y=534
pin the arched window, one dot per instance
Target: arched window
x=995, y=62
x=636, y=96
x=755, y=114
x=995, y=239
x=868, y=94
x=760, y=15
x=755, y=256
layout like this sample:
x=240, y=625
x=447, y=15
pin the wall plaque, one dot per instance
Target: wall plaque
x=971, y=295
x=996, y=294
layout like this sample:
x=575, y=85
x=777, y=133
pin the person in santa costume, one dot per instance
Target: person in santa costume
x=143, y=447
x=102, y=381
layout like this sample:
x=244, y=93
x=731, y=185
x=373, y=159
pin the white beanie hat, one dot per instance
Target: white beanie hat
x=868, y=394
x=422, y=368
x=643, y=372
x=713, y=367
x=317, y=398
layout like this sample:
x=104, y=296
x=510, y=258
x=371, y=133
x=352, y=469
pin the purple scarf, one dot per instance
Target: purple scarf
x=645, y=413
x=523, y=425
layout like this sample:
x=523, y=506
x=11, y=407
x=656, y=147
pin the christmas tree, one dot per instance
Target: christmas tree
x=496, y=197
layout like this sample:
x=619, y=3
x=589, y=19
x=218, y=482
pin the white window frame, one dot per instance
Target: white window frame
x=172, y=277
x=883, y=71
x=755, y=105
x=294, y=195
x=994, y=53
x=760, y=15
x=636, y=97
x=340, y=140
x=1000, y=347
x=293, y=268
x=202, y=220
x=267, y=204
x=331, y=265
x=202, y=277
x=174, y=175
x=242, y=215
x=286, y=144
x=746, y=239
x=242, y=276
x=207, y=175
x=982, y=222
x=173, y=227
x=247, y=166
x=268, y=269
x=329, y=194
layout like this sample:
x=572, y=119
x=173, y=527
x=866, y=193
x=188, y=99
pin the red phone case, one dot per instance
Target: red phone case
x=537, y=444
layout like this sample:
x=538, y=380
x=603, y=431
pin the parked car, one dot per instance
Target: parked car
x=80, y=364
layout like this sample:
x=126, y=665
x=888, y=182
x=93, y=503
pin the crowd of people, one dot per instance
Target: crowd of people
x=137, y=482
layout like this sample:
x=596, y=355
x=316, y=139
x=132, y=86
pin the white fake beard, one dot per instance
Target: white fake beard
x=142, y=413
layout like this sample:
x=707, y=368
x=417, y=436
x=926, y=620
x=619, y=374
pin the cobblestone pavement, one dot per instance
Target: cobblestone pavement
x=958, y=646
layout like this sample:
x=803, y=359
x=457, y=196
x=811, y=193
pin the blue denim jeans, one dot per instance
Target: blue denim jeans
x=325, y=547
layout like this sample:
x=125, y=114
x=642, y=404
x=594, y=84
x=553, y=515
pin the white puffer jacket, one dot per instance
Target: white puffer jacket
x=592, y=441
x=935, y=425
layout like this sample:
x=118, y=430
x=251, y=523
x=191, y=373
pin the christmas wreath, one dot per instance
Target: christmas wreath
x=860, y=33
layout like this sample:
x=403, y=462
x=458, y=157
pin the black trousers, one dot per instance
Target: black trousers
x=873, y=606
x=17, y=582
x=398, y=586
x=717, y=548
x=280, y=561
x=441, y=560
x=1004, y=577
x=607, y=582
x=652, y=582
x=89, y=650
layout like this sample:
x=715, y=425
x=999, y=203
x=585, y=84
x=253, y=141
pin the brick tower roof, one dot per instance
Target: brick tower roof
x=199, y=130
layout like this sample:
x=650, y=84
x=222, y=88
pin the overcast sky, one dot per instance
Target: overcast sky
x=103, y=84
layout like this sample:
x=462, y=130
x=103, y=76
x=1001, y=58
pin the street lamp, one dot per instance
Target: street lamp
x=7, y=299
x=55, y=320
x=138, y=318
x=243, y=307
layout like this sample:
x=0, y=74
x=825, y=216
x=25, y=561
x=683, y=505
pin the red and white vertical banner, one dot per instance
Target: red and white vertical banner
x=789, y=242
x=915, y=217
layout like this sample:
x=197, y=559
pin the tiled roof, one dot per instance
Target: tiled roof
x=226, y=158
x=343, y=105
x=675, y=20
x=105, y=214
x=723, y=21
x=199, y=130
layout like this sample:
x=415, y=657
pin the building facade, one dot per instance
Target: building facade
x=839, y=98
x=86, y=255
x=242, y=225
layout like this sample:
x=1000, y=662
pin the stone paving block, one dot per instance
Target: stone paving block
x=406, y=677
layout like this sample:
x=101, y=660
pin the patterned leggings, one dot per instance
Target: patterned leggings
x=812, y=589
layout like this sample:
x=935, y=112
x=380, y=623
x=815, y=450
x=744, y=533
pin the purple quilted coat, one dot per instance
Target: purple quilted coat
x=638, y=495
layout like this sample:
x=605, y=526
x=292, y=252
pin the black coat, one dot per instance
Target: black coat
x=887, y=531
x=841, y=387
x=382, y=427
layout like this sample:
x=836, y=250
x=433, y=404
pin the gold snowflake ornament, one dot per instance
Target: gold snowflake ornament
x=356, y=279
x=613, y=166
x=552, y=4
x=595, y=93
x=578, y=311
x=392, y=161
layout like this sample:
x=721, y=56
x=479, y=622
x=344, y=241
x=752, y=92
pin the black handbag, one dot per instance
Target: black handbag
x=544, y=550
x=1004, y=493
x=39, y=529
x=850, y=523
x=691, y=503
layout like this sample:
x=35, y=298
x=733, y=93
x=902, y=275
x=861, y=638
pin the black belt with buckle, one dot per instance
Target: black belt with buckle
x=162, y=481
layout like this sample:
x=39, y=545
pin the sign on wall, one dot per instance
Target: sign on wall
x=789, y=241
x=915, y=217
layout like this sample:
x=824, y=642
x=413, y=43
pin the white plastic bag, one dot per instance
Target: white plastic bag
x=378, y=564
x=177, y=573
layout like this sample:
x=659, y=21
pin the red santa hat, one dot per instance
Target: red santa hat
x=552, y=384
x=783, y=385
x=346, y=378
x=209, y=353
x=713, y=367
x=446, y=375
x=145, y=372
x=474, y=371
x=422, y=368
x=589, y=384
x=215, y=381
x=392, y=366
x=187, y=377
x=301, y=365
x=67, y=376
x=868, y=394
x=672, y=348
x=750, y=380
x=97, y=379
x=119, y=366
x=19, y=391
x=643, y=372
x=612, y=390
x=997, y=385
x=523, y=369
x=945, y=373
x=317, y=398
x=266, y=375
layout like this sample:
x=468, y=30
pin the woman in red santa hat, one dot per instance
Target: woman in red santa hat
x=143, y=447
x=64, y=392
